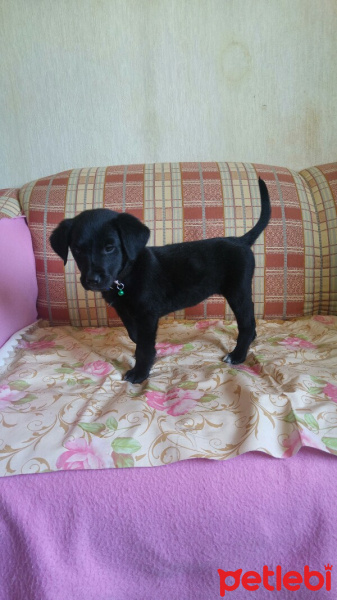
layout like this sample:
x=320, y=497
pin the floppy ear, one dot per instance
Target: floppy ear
x=60, y=239
x=133, y=233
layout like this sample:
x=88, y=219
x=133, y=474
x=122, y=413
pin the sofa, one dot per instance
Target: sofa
x=77, y=437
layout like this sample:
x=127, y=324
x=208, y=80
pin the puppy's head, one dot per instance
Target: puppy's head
x=102, y=241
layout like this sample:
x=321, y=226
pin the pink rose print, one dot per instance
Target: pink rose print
x=324, y=319
x=8, y=395
x=331, y=391
x=79, y=455
x=296, y=440
x=41, y=345
x=98, y=368
x=254, y=370
x=297, y=343
x=94, y=330
x=165, y=349
x=205, y=324
x=176, y=402
x=156, y=400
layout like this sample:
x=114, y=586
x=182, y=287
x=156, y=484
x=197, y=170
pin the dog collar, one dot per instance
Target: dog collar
x=119, y=286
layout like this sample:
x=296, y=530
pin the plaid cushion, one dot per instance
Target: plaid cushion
x=9, y=203
x=322, y=181
x=181, y=202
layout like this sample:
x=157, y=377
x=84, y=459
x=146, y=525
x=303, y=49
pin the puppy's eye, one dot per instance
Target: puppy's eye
x=108, y=249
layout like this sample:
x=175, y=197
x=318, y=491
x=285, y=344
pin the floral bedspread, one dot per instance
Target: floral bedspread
x=64, y=404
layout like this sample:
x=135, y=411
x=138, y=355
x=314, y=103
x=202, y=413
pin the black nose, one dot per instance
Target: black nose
x=93, y=280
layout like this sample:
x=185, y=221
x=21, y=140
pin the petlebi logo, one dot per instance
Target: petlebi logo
x=277, y=580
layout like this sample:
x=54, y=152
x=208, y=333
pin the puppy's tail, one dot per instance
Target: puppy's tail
x=251, y=236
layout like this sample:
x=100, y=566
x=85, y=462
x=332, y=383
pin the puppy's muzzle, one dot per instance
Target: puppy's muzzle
x=94, y=282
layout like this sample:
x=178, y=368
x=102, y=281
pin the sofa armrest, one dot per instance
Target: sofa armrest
x=9, y=203
x=18, y=290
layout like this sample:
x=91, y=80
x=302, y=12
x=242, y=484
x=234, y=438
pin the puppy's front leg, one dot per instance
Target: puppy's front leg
x=145, y=350
x=130, y=325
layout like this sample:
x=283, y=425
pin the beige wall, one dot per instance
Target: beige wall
x=88, y=82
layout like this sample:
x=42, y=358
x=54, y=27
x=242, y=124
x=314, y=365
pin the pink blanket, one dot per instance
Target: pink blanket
x=162, y=533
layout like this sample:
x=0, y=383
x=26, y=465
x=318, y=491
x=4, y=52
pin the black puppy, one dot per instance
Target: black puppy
x=143, y=284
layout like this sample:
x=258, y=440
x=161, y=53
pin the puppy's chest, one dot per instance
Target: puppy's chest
x=122, y=303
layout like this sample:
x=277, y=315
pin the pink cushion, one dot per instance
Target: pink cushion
x=18, y=286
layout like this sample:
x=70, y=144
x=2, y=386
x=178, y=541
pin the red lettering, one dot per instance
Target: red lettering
x=251, y=580
x=266, y=574
x=308, y=574
x=224, y=587
x=292, y=580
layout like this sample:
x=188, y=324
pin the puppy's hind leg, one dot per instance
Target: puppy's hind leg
x=243, y=309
